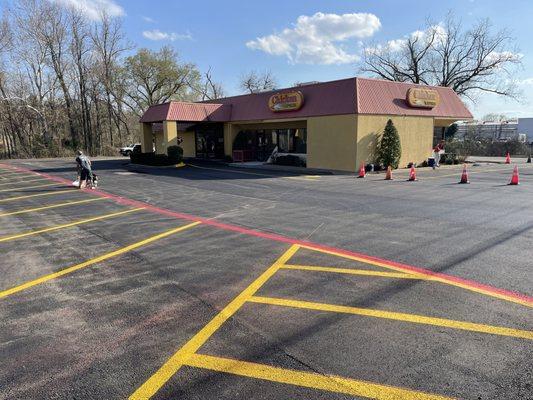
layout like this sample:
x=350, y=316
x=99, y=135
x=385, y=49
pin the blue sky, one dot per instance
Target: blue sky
x=215, y=33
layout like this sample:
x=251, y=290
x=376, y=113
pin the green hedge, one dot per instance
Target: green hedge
x=174, y=156
x=289, y=160
x=153, y=159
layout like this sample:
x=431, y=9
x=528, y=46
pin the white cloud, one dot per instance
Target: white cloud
x=504, y=55
x=148, y=19
x=93, y=9
x=156, y=34
x=527, y=81
x=397, y=45
x=315, y=39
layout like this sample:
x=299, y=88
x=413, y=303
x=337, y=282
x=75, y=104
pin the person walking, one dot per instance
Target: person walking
x=84, y=169
x=437, y=152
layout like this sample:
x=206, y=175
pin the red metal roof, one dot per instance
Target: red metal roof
x=326, y=98
x=187, y=112
x=345, y=96
x=375, y=96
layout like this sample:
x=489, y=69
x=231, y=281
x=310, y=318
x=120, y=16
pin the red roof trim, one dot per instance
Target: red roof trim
x=343, y=96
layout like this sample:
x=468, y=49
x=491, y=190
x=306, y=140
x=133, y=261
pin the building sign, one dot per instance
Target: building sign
x=423, y=98
x=288, y=101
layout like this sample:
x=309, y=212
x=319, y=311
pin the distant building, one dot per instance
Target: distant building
x=525, y=126
x=493, y=130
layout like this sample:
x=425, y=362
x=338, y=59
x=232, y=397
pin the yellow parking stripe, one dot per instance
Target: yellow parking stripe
x=93, y=261
x=304, y=177
x=413, y=318
x=21, y=181
x=2, y=175
x=432, y=278
x=174, y=363
x=70, y=224
x=27, y=187
x=68, y=203
x=17, y=179
x=366, y=272
x=330, y=383
x=39, y=194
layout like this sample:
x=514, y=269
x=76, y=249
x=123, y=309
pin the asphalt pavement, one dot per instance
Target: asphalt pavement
x=213, y=282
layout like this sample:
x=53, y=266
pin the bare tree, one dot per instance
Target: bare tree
x=64, y=81
x=469, y=61
x=108, y=41
x=80, y=52
x=208, y=89
x=55, y=36
x=494, y=117
x=254, y=82
x=5, y=35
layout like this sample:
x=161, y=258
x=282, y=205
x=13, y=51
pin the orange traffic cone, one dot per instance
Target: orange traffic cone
x=388, y=175
x=464, y=176
x=514, y=178
x=412, y=174
x=362, y=171
x=508, y=158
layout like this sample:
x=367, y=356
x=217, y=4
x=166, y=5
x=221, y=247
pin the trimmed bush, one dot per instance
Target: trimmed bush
x=158, y=160
x=175, y=154
x=290, y=160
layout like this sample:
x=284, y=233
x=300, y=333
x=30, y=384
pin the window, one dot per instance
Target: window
x=292, y=140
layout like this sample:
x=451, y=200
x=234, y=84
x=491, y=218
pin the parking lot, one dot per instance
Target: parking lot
x=211, y=282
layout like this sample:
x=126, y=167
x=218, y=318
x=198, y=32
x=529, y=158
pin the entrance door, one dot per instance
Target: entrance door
x=209, y=141
x=264, y=145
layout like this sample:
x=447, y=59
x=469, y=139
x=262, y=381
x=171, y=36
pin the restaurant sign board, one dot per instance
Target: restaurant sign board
x=287, y=101
x=423, y=98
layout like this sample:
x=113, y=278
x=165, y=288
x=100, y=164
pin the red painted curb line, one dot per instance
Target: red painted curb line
x=288, y=240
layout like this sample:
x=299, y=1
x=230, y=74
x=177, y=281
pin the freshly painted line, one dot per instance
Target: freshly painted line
x=305, y=177
x=174, y=363
x=70, y=224
x=366, y=272
x=19, y=179
x=301, y=178
x=68, y=203
x=93, y=261
x=232, y=170
x=412, y=318
x=17, y=182
x=10, y=174
x=330, y=383
x=37, y=195
x=27, y=187
x=468, y=284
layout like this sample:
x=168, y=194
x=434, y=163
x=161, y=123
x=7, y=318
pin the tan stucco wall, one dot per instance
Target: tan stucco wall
x=331, y=142
x=160, y=148
x=188, y=145
x=146, y=137
x=230, y=132
x=167, y=137
x=416, y=137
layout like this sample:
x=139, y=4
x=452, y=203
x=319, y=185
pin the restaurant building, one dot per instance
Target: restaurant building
x=331, y=125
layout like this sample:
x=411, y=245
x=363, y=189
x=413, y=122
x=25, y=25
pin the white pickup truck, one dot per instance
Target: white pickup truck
x=127, y=150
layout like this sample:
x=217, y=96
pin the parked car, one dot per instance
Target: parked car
x=127, y=150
